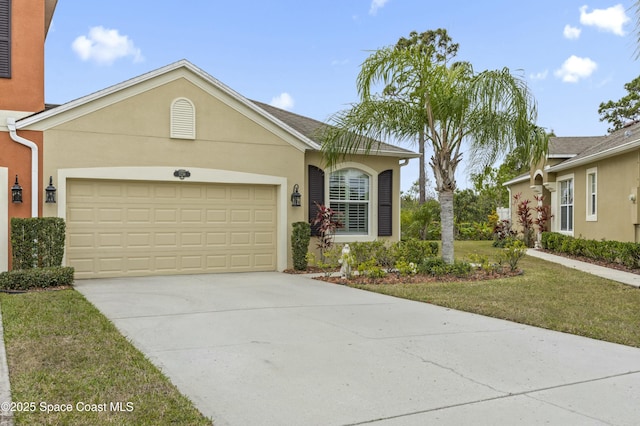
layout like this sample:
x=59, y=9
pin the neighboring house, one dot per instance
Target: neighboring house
x=173, y=172
x=591, y=183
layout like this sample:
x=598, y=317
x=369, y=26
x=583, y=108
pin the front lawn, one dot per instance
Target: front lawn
x=69, y=365
x=547, y=295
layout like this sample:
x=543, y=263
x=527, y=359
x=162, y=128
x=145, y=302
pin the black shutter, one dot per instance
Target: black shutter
x=385, y=203
x=316, y=194
x=5, y=38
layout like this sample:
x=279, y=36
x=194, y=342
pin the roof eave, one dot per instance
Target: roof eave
x=611, y=152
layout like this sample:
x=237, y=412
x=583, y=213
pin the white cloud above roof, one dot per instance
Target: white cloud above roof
x=103, y=46
x=572, y=33
x=611, y=19
x=576, y=68
x=375, y=5
x=282, y=101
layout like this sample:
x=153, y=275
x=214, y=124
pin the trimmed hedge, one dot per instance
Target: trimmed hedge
x=27, y=279
x=37, y=242
x=627, y=254
x=300, y=238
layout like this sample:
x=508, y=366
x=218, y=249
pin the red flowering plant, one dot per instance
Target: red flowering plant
x=326, y=222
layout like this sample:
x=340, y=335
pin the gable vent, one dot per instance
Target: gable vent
x=183, y=119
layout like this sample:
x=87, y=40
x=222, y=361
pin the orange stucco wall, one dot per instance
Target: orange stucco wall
x=24, y=91
x=17, y=158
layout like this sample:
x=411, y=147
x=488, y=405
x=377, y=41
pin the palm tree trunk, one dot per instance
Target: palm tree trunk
x=422, y=177
x=444, y=169
x=446, y=224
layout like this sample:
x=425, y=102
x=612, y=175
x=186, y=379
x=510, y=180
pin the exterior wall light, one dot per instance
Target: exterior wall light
x=16, y=192
x=50, y=192
x=295, y=196
x=632, y=198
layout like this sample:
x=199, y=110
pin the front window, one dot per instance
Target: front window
x=566, y=205
x=592, y=195
x=349, y=195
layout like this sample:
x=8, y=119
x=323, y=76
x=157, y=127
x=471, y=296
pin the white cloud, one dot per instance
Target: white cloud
x=611, y=19
x=282, y=101
x=572, y=33
x=576, y=68
x=104, y=46
x=539, y=75
x=375, y=5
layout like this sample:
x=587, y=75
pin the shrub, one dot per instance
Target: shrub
x=623, y=253
x=371, y=269
x=415, y=251
x=300, y=237
x=26, y=279
x=327, y=222
x=513, y=252
x=37, y=242
x=406, y=268
x=437, y=267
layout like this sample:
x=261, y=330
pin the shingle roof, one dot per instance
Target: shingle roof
x=572, y=145
x=310, y=127
x=605, y=146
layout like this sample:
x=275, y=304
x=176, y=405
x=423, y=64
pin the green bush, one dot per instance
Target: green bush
x=437, y=267
x=513, y=252
x=623, y=253
x=300, y=237
x=37, y=242
x=415, y=251
x=27, y=279
x=475, y=231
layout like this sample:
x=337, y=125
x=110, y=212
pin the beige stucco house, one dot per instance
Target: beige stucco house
x=591, y=183
x=173, y=172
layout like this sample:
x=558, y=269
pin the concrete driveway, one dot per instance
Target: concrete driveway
x=278, y=349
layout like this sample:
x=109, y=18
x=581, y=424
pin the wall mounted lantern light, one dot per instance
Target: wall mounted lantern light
x=50, y=192
x=295, y=196
x=16, y=192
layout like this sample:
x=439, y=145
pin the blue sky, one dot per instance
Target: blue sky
x=304, y=56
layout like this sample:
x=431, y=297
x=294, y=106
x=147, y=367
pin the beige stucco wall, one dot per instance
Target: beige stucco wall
x=617, y=216
x=134, y=132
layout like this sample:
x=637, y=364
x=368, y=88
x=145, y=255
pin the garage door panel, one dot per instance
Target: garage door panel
x=119, y=228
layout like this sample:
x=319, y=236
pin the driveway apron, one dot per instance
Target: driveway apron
x=279, y=349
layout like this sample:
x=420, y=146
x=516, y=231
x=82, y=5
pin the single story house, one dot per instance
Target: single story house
x=173, y=172
x=591, y=185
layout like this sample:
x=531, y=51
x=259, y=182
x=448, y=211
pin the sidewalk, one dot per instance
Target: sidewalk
x=608, y=273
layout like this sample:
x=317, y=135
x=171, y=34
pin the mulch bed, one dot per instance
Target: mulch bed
x=393, y=278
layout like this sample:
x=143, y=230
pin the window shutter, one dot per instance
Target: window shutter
x=5, y=38
x=316, y=194
x=183, y=119
x=385, y=203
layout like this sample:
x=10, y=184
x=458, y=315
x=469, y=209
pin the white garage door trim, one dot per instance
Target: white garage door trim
x=199, y=175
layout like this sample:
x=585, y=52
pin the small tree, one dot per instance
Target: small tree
x=543, y=217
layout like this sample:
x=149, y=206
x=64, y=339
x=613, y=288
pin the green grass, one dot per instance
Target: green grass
x=547, y=295
x=61, y=350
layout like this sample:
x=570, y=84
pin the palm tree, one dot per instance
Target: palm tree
x=451, y=106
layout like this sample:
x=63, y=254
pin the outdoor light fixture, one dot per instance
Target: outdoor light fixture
x=50, y=192
x=295, y=196
x=16, y=192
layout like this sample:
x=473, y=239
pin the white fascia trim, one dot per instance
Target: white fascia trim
x=620, y=149
x=517, y=180
x=200, y=175
x=4, y=219
x=156, y=78
x=561, y=155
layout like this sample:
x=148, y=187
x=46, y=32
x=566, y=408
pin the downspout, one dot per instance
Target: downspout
x=11, y=125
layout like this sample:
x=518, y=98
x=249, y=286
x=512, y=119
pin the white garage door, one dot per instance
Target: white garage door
x=132, y=228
